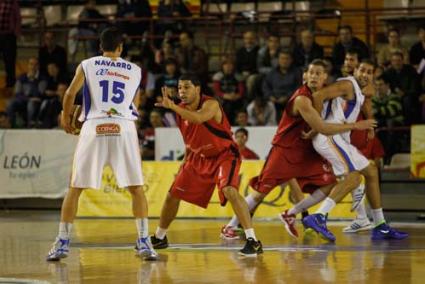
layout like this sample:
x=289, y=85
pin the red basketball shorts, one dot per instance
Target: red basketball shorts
x=311, y=171
x=198, y=176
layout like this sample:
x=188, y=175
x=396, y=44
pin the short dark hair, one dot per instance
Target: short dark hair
x=170, y=61
x=110, y=39
x=189, y=34
x=397, y=31
x=384, y=78
x=352, y=51
x=345, y=27
x=286, y=51
x=318, y=62
x=368, y=61
x=192, y=78
x=243, y=130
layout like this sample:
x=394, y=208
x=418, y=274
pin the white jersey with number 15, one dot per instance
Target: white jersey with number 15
x=110, y=86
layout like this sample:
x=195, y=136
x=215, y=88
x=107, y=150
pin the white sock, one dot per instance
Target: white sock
x=327, y=205
x=249, y=233
x=65, y=230
x=142, y=227
x=361, y=211
x=251, y=205
x=307, y=202
x=378, y=216
x=160, y=233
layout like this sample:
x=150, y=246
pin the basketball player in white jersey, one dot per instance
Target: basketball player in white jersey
x=341, y=102
x=108, y=137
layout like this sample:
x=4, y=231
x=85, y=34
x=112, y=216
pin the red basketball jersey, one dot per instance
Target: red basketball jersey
x=207, y=139
x=290, y=127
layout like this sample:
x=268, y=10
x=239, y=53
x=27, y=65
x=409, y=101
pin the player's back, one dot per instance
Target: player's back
x=109, y=88
x=340, y=110
x=290, y=127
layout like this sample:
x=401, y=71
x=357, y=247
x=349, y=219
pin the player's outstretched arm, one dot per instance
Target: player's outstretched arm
x=337, y=89
x=208, y=110
x=304, y=106
x=69, y=98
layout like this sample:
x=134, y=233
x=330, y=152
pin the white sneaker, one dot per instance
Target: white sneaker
x=145, y=249
x=357, y=195
x=358, y=225
x=60, y=249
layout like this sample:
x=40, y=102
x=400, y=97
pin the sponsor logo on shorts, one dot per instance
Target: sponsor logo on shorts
x=108, y=129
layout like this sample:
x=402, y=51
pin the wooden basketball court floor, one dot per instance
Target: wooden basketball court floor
x=102, y=252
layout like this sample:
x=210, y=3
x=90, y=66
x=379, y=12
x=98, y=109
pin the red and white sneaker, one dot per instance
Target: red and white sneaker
x=229, y=233
x=289, y=222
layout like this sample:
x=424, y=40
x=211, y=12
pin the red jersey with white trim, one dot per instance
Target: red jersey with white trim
x=207, y=139
x=290, y=127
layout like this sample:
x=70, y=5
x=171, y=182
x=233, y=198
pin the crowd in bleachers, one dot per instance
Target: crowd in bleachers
x=253, y=82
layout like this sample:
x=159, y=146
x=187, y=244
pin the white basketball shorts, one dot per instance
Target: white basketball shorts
x=343, y=156
x=107, y=141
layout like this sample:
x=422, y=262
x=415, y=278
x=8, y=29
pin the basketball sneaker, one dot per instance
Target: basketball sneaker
x=317, y=222
x=289, y=221
x=252, y=248
x=60, y=249
x=357, y=195
x=385, y=232
x=358, y=225
x=145, y=249
x=159, y=243
x=229, y=233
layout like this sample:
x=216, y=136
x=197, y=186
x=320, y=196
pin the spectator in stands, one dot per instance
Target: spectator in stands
x=90, y=22
x=394, y=44
x=241, y=119
x=351, y=62
x=230, y=88
x=29, y=90
x=131, y=9
x=191, y=58
x=10, y=29
x=148, y=135
x=307, y=49
x=388, y=111
x=4, y=120
x=167, y=10
x=282, y=81
x=405, y=82
x=267, y=57
x=51, y=103
x=147, y=85
x=52, y=52
x=161, y=55
x=246, y=60
x=346, y=41
x=169, y=78
x=387, y=106
x=261, y=112
x=241, y=137
x=417, y=51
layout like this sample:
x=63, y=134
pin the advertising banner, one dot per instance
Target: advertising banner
x=417, y=156
x=35, y=163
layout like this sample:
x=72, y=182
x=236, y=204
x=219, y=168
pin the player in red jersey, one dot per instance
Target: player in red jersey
x=292, y=156
x=212, y=158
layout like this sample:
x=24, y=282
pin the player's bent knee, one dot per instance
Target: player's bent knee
x=230, y=193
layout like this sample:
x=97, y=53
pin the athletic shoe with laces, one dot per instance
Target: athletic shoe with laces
x=60, y=249
x=289, y=221
x=229, y=233
x=358, y=196
x=358, y=225
x=159, y=243
x=317, y=222
x=385, y=232
x=252, y=248
x=145, y=249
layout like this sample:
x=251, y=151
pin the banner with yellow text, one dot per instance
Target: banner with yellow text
x=112, y=201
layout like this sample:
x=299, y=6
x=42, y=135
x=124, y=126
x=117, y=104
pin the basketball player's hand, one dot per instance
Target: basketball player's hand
x=166, y=101
x=308, y=135
x=365, y=124
x=66, y=123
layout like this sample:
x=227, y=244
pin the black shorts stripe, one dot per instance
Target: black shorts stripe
x=232, y=172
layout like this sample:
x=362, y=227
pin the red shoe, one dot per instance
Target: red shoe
x=229, y=233
x=289, y=222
